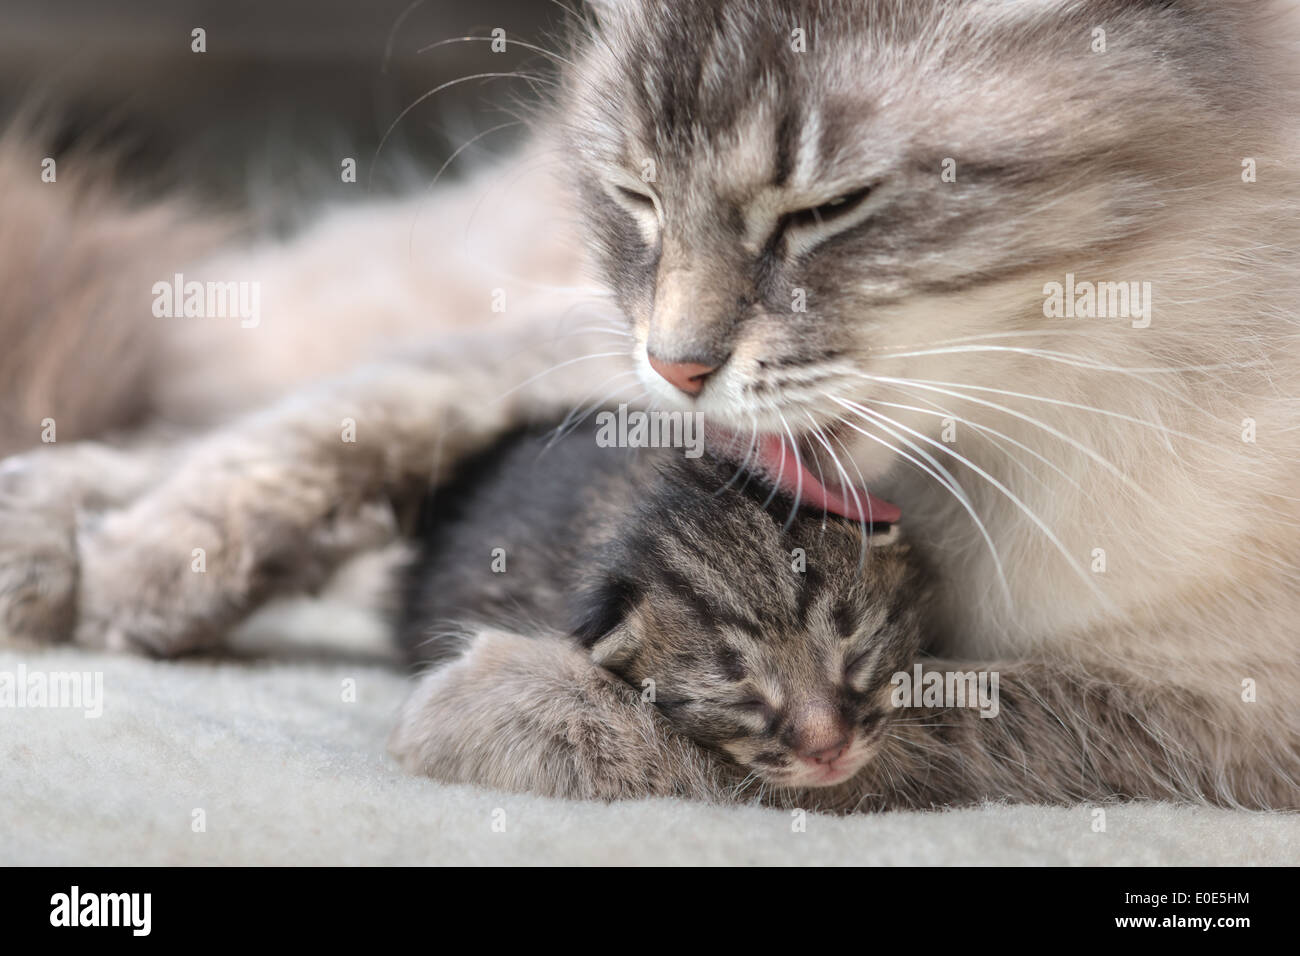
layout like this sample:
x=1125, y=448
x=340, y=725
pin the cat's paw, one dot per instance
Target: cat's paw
x=49, y=496
x=533, y=714
x=146, y=589
x=38, y=572
x=166, y=582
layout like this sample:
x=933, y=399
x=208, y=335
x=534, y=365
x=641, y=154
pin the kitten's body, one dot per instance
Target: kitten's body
x=1133, y=570
x=763, y=632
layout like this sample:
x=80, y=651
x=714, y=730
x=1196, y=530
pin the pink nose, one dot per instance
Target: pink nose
x=827, y=755
x=687, y=376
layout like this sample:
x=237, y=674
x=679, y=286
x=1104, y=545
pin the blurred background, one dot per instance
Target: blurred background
x=286, y=89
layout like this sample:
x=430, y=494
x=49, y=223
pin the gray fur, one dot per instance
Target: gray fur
x=761, y=632
x=1123, y=165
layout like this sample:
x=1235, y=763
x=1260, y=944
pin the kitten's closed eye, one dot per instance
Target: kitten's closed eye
x=754, y=714
x=756, y=706
x=856, y=662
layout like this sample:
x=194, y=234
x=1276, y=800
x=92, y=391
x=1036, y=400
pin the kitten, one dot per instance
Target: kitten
x=771, y=645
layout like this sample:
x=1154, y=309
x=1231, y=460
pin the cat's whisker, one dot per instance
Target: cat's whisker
x=798, y=473
x=511, y=42
x=744, y=464
x=821, y=477
x=852, y=490
x=1090, y=452
x=575, y=417
x=1078, y=361
x=983, y=337
x=939, y=411
x=945, y=478
x=776, y=482
x=1015, y=499
x=1076, y=406
x=555, y=368
x=1068, y=359
x=506, y=74
x=415, y=218
x=392, y=33
x=862, y=483
x=744, y=784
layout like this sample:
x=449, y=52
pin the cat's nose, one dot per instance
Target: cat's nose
x=827, y=755
x=822, y=735
x=686, y=376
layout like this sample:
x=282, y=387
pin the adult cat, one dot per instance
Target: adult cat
x=848, y=229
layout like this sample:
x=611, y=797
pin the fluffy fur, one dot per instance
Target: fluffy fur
x=1102, y=530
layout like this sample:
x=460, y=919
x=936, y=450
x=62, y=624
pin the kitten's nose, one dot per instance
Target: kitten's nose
x=822, y=735
x=687, y=376
x=829, y=754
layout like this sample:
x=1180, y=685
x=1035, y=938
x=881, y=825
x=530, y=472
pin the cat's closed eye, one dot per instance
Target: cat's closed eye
x=637, y=201
x=828, y=212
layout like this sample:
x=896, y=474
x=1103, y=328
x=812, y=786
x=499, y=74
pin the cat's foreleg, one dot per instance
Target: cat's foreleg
x=247, y=506
x=533, y=714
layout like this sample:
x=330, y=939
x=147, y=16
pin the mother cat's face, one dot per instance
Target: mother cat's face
x=788, y=196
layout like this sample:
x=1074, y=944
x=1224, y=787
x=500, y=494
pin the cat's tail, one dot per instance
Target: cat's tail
x=78, y=258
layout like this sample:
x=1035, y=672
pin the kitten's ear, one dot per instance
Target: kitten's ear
x=602, y=613
x=616, y=648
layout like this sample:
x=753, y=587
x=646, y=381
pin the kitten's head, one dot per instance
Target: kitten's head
x=774, y=647
x=789, y=192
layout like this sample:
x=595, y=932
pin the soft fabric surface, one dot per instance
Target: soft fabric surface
x=285, y=771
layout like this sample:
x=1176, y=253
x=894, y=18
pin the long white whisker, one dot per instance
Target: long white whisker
x=1052, y=401
x=952, y=484
x=1067, y=359
x=575, y=417
x=1025, y=509
x=946, y=413
x=434, y=92
x=555, y=368
x=798, y=475
x=1055, y=432
x=753, y=443
x=864, y=552
x=509, y=43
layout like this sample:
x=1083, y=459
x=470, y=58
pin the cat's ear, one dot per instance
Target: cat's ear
x=602, y=611
x=616, y=648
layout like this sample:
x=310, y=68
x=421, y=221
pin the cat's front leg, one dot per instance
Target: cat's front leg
x=247, y=512
x=247, y=507
x=533, y=714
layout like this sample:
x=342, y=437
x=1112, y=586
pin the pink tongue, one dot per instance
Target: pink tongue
x=777, y=460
